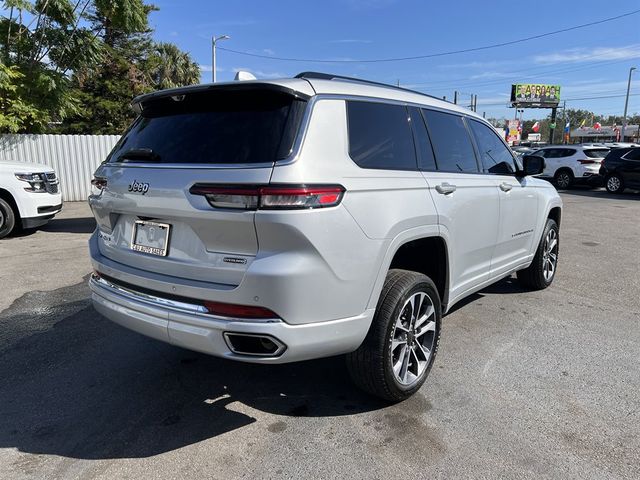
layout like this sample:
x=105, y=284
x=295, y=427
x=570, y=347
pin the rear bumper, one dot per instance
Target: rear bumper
x=182, y=325
x=589, y=178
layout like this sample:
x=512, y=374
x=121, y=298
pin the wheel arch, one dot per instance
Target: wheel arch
x=555, y=214
x=405, y=252
x=8, y=197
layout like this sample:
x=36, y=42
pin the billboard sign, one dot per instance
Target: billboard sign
x=535, y=95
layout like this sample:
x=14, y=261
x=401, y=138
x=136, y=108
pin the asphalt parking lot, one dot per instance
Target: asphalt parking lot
x=526, y=385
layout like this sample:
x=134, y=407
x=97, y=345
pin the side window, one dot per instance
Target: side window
x=451, y=142
x=380, y=136
x=426, y=160
x=633, y=154
x=495, y=156
x=567, y=152
x=553, y=153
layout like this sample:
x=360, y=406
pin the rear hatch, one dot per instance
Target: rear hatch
x=224, y=135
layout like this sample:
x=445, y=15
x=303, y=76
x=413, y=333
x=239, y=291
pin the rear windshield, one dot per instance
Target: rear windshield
x=596, y=153
x=223, y=127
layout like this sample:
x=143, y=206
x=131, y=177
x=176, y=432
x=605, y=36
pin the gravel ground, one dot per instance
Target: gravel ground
x=526, y=384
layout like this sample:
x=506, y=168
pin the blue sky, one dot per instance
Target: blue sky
x=588, y=62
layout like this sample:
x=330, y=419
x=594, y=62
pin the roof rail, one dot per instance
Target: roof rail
x=330, y=76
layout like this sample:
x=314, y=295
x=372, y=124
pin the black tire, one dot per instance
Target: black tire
x=533, y=277
x=614, y=183
x=563, y=178
x=371, y=365
x=7, y=218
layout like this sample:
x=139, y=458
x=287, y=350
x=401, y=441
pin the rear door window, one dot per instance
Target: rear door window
x=221, y=127
x=596, y=153
x=451, y=142
x=426, y=159
x=380, y=136
x=494, y=154
x=633, y=154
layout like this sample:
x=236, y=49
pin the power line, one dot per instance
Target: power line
x=514, y=73
x=439, y=54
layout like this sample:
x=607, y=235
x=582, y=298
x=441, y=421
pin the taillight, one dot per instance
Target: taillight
x=587, y=162
x=99, y=182
x=271, y=197
x=238, y=311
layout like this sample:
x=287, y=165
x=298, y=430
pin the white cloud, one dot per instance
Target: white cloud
x=268, y=51
x=467, y=65
x=586, y=55
x=490, y=75
x=209, y=68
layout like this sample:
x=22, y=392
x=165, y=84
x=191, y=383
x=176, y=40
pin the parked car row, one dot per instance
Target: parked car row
x=614, y=166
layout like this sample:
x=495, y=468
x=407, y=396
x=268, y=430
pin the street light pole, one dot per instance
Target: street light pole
x=214, y=40
x=626, y=104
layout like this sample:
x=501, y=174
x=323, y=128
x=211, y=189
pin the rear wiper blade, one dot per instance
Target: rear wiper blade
x=140, y=155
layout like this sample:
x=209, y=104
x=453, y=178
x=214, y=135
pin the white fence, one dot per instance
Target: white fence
x=73, y=157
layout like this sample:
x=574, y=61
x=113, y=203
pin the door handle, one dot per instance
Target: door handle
x=445, y=188
x=505, y=187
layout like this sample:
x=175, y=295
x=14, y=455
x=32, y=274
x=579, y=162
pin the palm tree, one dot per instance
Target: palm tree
x=170, y=67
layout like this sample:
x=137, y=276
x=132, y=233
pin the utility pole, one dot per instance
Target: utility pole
x=215, y=40
x=626, y=104
x=455, y=97
x=552, y=126
x=564, y=122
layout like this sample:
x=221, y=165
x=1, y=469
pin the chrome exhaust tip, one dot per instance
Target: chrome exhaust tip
x=253, y=344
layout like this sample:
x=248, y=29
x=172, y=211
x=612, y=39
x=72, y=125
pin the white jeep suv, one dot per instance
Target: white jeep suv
x=29, y=195
x=286, y=220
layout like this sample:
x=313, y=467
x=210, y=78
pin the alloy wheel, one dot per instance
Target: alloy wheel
x=413, y=339
x=613, y=184
x=550, y=255
x=563, y=180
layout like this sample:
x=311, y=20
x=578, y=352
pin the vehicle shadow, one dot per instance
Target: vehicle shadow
x=71, y=225
x=83, y=387
x=506, y=285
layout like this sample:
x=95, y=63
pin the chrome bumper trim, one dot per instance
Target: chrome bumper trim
x=167, y=303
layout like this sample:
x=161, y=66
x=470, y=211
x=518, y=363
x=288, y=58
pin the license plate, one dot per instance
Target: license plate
x=150, y=237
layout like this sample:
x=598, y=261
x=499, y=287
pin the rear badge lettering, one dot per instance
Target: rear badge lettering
x=239, y=261
x=138, y=187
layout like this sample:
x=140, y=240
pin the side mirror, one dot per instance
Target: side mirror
x=532, y=165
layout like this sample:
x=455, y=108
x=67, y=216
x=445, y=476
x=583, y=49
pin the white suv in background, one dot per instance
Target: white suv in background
x=569, y=165
x=29, y=195
x=286, y=220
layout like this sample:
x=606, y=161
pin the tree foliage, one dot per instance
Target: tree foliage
x=74, y=65
x=169, y=67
